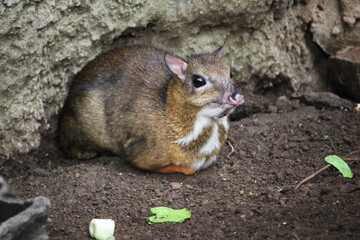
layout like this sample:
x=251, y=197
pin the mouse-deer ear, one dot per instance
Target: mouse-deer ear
x=219, y=53
x=176, y=65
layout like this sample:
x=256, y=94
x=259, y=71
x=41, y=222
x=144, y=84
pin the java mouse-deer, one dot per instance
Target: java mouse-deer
x=160, y=112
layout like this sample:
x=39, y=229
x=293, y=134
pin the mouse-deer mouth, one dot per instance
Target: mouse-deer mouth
x=236, y=99
x=227, y=104
x=221, y=109
x=231, y=101
x=232, y=95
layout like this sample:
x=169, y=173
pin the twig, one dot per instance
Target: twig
x=232, y=149
x=352, y=153
x=320, y=170
x=351, y=159
x=296, y=236
x=311, y=176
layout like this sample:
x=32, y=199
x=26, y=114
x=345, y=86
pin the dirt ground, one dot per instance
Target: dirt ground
x=248, y=194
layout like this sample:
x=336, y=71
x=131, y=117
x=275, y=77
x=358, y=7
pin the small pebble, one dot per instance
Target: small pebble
x=158, y=192
x=175, y=185
x=304, y=148
x=272, y=109
x=283, y=203
x=175, y=196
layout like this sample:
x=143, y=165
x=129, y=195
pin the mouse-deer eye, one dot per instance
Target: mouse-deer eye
x=198, y=81
x=230, y=74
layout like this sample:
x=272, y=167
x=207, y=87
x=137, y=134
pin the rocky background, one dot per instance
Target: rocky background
x=276, y=48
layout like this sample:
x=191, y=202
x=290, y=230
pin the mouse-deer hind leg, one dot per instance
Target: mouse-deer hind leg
x=176, y=169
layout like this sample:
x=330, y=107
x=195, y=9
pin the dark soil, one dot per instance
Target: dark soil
x=248, y=194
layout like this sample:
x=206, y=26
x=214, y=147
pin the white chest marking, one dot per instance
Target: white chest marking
x=200, y=123
x=213, y=142
x=224, y=121
x=204, y=119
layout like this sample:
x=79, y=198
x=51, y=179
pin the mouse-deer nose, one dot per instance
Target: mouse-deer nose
x=236, y=98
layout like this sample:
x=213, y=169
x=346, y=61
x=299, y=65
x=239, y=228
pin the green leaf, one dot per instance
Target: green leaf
x=340, y=164
x=164, y=214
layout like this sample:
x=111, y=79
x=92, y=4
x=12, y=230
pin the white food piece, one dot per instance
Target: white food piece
x=102, y=229
x=103, y=236
x=357, y=108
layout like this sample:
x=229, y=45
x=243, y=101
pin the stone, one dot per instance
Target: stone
x=10, y=3
x=5, y=189
x=175, y=185
x=344, y=71
x=45, y=43
x=253, y=104
x=350, y=11
x=357, y=107
x=284, y=104
x=333, y=24
x=326, y=100
x=24, y=219
x=158, y=192
x=272, y=109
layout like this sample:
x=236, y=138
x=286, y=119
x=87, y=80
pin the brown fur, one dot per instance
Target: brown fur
x=128, y=102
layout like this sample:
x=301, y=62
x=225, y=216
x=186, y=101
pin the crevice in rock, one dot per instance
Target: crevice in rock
x=273, y=88
x=319, y=61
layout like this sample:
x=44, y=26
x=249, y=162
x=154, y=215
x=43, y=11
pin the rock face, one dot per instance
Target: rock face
x=344, y=69
x=5, y=190
x=270, y=47
x=333, y=23
x=24, y=219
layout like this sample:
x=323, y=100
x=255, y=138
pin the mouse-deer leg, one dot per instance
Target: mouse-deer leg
x=176, y=169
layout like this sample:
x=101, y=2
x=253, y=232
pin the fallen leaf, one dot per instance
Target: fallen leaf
x=340, y=164
x=164, y=214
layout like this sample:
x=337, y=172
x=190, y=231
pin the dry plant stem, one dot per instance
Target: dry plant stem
x=232, y=149
x=351, y=159
x=311, y=176
x=295, y=235
x=352, y=153
x=320, y=170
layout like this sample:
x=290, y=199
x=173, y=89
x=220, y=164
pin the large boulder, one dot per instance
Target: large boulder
x=44, y=43
x=344, y=70
x=24, y=220
x=333, y=23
